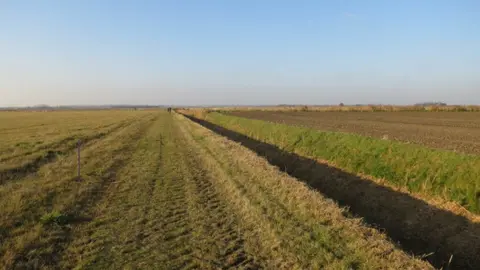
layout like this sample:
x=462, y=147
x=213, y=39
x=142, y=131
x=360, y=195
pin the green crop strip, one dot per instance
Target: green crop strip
x=440, y=173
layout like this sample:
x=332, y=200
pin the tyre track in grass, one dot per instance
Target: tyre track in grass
x=298, y=242
x=62, y=141
x=143, y=221
x=45, y=243
x=56, y=149
x=23, y=204
x=184, y=198
x=114, y=234
x=198, y=230
x=220, y=243
x=262, y=238
x=169, y=218
x=174, y=245
x=294, y=224
x=176, y=231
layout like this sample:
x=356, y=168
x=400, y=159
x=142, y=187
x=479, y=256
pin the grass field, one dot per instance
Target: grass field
x=28, y=142
x=159, y=191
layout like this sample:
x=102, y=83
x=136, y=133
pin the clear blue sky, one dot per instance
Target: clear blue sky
x=239, y=52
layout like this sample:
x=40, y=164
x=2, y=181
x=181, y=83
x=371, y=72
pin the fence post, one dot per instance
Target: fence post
x=78, y=158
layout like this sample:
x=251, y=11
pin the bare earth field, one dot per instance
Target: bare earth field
x=457, y=131
x=158, y=191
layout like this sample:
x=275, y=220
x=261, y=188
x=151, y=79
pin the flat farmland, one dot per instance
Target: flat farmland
x=457, y=131
x=158, y=191
x=425, y=199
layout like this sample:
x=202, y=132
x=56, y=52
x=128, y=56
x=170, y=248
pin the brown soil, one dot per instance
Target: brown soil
x=447, y=130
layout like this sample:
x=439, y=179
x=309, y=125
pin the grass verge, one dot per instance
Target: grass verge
x=421, y=228
x=451, y=176
x=284, y=223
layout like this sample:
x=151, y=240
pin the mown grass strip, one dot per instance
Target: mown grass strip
x=161, y=213
x=22, y=135
x=450, y=175
x=32, y=163
x=27, y=239
x=120, y=220
x=296, y=228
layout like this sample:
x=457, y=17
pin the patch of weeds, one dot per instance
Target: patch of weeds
x=55, y=217
x=23, y=145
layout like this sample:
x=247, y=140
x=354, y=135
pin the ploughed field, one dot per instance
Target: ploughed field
x=158, y=191
x=457, y=131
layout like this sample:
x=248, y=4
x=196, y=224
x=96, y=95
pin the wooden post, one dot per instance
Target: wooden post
x=78, y=158
x=478, y=200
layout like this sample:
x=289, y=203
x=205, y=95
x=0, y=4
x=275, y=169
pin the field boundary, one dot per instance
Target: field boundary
x=432, y=173
x=443, y=238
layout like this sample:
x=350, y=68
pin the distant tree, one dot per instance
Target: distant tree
x=341, y=104
x=431, y=104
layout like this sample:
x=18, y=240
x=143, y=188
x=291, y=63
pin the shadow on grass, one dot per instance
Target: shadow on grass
x=441, y=237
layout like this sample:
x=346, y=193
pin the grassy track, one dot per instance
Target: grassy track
x=284, y=223
x=32, y=208
x=433, y=173
x=163, y=213
x=166, y=193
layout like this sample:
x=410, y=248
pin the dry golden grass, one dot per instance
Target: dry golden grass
x=161, y=192
x=285, y=219
x=28, y=137
x=30, y=237
x=422, y=223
